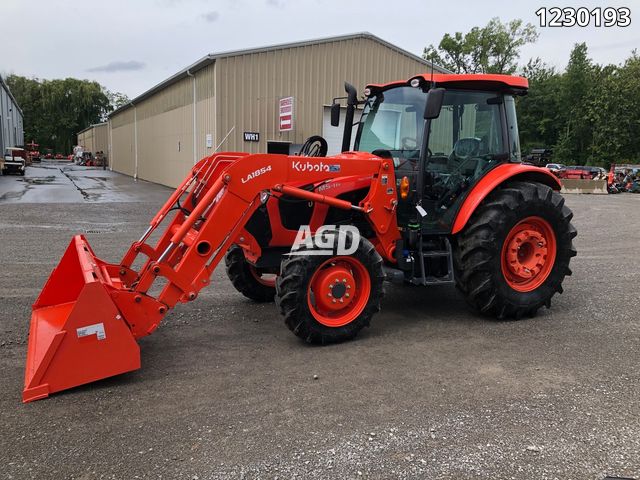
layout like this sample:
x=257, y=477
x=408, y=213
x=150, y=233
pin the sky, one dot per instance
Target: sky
x=131, y=45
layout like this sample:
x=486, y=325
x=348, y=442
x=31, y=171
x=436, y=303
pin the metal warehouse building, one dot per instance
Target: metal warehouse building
x=255, y=100
x=11, y=120
x=95, y=138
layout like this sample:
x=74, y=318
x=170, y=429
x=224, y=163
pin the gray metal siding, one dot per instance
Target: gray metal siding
x=12, y=129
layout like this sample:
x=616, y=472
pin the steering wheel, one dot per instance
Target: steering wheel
x=314, y=146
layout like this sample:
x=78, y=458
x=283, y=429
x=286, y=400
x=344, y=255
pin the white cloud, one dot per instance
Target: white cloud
x=119, y=66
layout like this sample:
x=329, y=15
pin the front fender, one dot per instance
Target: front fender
x=496, y=177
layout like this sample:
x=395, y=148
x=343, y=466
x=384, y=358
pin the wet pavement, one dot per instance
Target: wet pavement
x=63, y=182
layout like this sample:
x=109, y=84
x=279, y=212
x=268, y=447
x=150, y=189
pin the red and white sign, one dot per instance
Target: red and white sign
x=286, y=114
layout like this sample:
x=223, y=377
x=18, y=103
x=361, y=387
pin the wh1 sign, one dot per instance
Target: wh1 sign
x=286, y=114
x=251, y=137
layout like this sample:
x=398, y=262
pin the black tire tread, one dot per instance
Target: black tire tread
x=291, y=297
x=478, y=249
x=237, y=269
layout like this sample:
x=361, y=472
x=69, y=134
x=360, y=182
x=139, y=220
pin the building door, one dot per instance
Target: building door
x=333, y=135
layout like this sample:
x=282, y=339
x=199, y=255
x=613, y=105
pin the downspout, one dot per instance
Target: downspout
x=195, y=153
x=135, y=141
x=110, y=149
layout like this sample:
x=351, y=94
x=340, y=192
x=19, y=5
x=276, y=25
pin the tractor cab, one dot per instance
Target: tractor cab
x=443, y=134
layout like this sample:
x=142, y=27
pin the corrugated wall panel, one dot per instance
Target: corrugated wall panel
x=242, y=92
x=165, y=143
x=123, y=149
x=249, y=86
x=100, y=138
x=205, y=111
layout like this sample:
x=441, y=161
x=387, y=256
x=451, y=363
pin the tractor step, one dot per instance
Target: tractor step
x=427, y=277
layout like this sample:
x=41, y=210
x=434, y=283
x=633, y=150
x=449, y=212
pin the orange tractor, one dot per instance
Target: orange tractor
x=432, y=193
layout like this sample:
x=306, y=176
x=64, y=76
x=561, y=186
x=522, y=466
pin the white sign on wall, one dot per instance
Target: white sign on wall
x=209, y=140
x=286, y=114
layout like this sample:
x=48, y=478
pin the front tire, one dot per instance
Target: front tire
x=330, y=298
x=514, y=253
x=247, y=279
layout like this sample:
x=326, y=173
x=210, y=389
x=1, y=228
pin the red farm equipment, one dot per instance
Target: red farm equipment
x=33, y=152
x=432, y=193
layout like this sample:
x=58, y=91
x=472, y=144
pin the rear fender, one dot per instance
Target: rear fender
x=496, y=177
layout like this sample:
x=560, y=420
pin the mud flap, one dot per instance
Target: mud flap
x=77, y=334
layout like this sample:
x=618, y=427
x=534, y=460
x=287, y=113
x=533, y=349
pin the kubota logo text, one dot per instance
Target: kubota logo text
x=308, y=166
x=328, y=240
x=256, y=173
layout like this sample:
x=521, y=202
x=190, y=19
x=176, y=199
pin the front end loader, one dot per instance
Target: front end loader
x=432, y=193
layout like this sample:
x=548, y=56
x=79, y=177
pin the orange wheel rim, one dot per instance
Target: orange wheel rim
x=338, y=291
x=267, y=279
x=528, y=254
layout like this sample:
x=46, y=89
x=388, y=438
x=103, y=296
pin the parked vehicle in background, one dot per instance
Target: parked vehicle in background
x=593, y=171
x=555, y=168
x=539, y=156
x=48, y=156
x=576, y=172
x=15, y=160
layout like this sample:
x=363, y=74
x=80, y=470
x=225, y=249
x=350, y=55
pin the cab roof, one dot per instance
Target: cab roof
x=468, y=80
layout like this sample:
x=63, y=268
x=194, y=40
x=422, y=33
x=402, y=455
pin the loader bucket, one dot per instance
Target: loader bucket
x=77, y=334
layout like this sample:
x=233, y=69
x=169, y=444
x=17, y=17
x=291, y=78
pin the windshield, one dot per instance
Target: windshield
x=393, y=120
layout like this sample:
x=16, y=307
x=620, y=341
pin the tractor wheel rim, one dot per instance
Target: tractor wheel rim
x=267, y=279
x=338, y=291
x=528, y=254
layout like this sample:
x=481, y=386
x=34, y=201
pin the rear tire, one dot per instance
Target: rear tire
x=495, y=259
x=246, y=278
x=329, y=298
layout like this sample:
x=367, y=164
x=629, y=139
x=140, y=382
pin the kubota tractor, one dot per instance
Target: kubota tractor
x=432, y=193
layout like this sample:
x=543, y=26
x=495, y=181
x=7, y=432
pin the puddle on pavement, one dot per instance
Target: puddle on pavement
x=12, y=195
x=40, y=180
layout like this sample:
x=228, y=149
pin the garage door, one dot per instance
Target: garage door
x=333, y=135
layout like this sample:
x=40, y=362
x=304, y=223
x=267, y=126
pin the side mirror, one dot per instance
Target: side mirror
x=435, y=97
x=335, y=114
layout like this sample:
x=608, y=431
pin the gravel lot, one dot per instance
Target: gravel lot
x=226, y=391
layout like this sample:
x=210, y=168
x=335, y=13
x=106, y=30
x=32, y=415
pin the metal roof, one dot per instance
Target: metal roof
x=6, y=87
x=212, y=57
x=91, y=126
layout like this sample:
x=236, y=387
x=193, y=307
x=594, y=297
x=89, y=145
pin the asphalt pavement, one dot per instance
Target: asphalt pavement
x=226, y=391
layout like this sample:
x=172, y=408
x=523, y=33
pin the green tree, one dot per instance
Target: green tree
x=56, y=110
x=494, y=48
x=575, y=97
x=116, y=99
x=538, y=110
x=615, y=114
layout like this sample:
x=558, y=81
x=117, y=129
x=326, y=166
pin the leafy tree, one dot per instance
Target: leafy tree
x=116, y=99
x=494, y=48
x=575, y=95
x=56, y=110
x=538, y=110
x=615, y=115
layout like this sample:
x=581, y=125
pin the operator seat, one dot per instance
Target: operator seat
x=463, y=158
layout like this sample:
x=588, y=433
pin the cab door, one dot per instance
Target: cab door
x=466, y=140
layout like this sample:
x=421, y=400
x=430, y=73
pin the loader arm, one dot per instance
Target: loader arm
x=89, y=314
